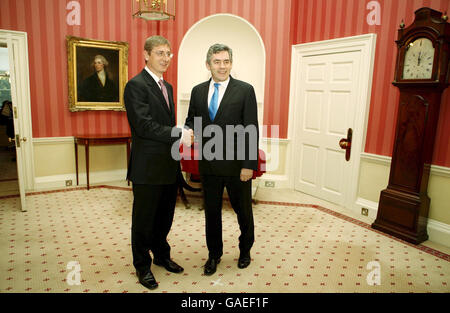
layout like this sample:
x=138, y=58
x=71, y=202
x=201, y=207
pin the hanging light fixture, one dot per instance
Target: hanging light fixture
x=154, y=10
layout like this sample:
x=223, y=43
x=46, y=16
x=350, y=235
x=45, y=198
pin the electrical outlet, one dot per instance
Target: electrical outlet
x=68, y=183
x=365, y=211
x=269, y=184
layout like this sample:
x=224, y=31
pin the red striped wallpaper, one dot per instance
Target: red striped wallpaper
x=280, y=23
x=325, y=19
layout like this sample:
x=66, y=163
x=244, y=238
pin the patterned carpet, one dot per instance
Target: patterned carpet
x=79, y=235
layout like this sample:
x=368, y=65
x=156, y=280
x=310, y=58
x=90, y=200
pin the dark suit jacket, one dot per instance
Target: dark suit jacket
x=151, y=124
x=92, y=90
x=238, y=107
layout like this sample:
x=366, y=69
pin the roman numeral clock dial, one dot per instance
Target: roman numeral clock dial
x=419, y=59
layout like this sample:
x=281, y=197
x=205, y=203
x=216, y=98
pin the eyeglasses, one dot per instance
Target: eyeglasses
x=162, y=53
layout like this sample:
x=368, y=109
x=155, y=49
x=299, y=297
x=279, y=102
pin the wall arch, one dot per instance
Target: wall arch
x=249, y=57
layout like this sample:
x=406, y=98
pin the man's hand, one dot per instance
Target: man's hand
x=187, y=137
x=246, y=174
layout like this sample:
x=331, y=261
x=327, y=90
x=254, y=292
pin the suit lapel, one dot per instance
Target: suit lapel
x=204, y=98
x=156, y=90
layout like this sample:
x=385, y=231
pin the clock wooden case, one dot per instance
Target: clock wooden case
x=421, y=74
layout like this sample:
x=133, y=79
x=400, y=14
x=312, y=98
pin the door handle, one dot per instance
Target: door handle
x=12, y=139
x=346, y=144
x=17, y=140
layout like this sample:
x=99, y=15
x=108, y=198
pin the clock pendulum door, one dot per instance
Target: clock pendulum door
x=421, y=75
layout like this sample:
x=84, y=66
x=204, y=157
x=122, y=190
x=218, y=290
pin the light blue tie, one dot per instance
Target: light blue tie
x=214, y=102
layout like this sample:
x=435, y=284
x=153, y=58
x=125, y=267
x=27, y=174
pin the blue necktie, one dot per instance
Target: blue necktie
x=213, y=105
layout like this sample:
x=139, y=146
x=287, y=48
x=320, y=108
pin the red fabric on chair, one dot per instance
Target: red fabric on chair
x=261, y=164
x=189, y=164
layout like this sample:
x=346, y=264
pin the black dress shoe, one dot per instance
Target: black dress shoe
x=147, y=280
x=211, y=266
x=244, y=261
x=169, y=265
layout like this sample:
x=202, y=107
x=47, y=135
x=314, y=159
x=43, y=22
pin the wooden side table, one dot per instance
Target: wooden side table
x=91, y=140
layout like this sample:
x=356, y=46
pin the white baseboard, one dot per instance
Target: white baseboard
x=438, y=232
x=279, y=181
x=59, y=181
x=367, y=204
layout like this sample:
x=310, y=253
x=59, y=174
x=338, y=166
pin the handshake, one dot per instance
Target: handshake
x=187, y=137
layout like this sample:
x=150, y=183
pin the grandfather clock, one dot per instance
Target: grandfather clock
x=421, y=75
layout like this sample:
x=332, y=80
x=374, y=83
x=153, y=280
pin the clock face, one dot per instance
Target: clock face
x=419, y=57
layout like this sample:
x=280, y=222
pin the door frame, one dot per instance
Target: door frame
x=17, y=45
x=364, y=43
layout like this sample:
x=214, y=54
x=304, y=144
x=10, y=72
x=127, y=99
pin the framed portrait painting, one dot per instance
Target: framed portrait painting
x=97, y=74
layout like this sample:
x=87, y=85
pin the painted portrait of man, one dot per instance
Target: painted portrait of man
x=97, y=75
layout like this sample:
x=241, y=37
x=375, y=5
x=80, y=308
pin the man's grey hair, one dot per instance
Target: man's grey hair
x=155, y=41
x=216, y=48
x=101, y=58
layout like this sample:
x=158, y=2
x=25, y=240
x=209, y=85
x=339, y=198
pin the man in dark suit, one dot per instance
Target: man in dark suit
x=227, y=107
x=152, y=169
x=98, y=87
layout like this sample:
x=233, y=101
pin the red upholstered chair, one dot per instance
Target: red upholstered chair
x=189, y=164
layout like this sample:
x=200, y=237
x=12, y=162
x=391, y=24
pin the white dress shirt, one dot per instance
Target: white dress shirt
x=222, y=88
x=155, y=77
x=102, y=76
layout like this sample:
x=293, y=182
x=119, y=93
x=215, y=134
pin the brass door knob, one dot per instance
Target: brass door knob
x=346, y=144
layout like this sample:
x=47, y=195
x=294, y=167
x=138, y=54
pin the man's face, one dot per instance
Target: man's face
x=220, y=66
x=158, y=59
x=98, y=64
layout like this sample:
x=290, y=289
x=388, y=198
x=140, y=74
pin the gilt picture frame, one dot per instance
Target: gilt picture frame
x=97, y=74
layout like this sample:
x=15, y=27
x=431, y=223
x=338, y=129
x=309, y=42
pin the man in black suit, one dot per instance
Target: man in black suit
x=152, y=169
x=227, y=107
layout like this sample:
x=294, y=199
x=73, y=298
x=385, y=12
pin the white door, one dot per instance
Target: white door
x=327, y=100
x=16, y=43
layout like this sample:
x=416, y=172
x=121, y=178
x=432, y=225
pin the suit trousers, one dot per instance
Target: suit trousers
x=152, y=217
x=240, y=195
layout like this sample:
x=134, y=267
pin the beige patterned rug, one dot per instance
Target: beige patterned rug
x=78, y=241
